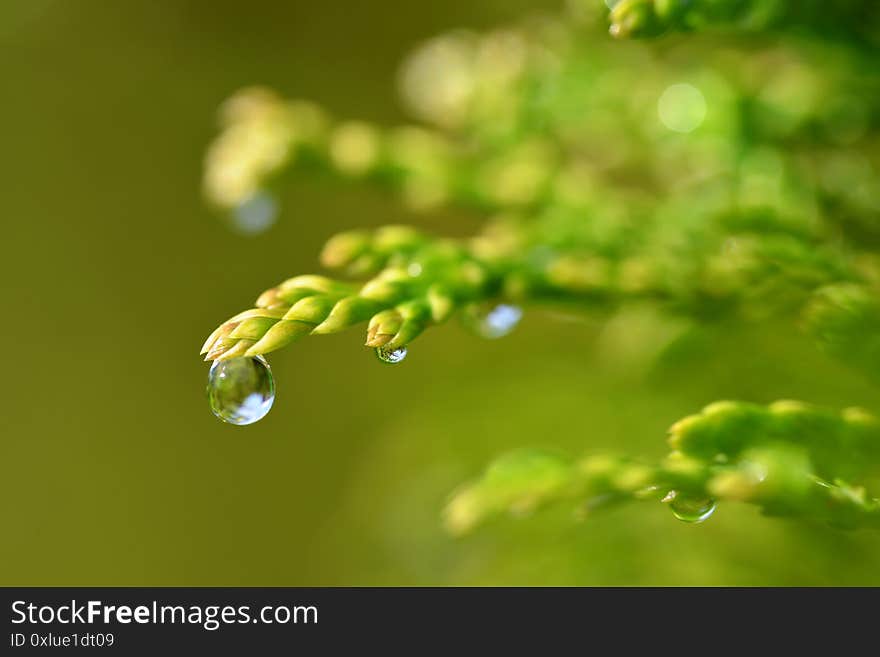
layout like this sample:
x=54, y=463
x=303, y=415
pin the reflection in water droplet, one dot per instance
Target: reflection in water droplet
x=256, y=214
x=690, y=509
x=391, y=356
x=241, y=390
x=492, y=321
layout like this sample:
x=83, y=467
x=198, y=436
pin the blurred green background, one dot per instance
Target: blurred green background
x=114, y=271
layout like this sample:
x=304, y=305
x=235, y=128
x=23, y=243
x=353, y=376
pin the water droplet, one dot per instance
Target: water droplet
x=241, y=390
x=391, y=356
x=256, y=214
x=492, y=321
x=690, y=509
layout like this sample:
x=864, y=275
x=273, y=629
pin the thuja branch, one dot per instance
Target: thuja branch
x=604, y=170
x=265, y=136
x=789, y=459
x=526, y=118
x=417, y=281
x=421, y=283
x=652, y=17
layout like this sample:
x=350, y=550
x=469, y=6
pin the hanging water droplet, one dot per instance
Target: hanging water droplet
x=241, y=390
x=391, y=356
x=492, y=321
x=690, y=509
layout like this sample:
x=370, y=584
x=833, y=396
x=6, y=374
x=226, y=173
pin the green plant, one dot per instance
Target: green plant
x=724, y=173
x=789, y=458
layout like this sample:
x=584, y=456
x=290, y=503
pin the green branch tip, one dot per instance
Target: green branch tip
x=788, y=458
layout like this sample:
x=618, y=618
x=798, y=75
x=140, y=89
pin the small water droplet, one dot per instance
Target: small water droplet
x=241, y=390
x=492, y=321
x=391, y=356
x=255, y=215
x=690, y=509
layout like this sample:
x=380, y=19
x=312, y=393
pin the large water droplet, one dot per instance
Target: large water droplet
x=241, y=390
x=690, y=509
x=492, y=321
x=391, y=356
